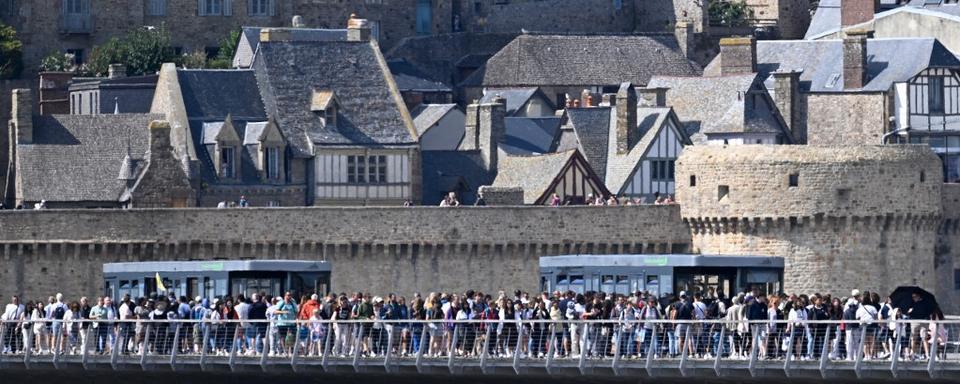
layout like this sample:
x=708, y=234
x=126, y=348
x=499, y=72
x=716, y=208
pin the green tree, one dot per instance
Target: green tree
x=142, y=50
x=193, y=60
x=11, y=53
x=729, y=13
x=228, y=48
x=56, y=61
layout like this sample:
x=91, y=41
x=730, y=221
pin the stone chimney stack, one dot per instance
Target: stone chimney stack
x=358, y=29
x=492, y=131
x=22, y=115
x=117, y=71
x=471, y=129
x=627, y=133
x=160, y=137
x=786, y=92
x=853, y=12
x=855, y=59
x=738, y=55
x=653, y=97
x=683, y=31
x=274, y=34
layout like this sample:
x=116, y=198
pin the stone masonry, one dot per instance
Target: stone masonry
x=843, y=217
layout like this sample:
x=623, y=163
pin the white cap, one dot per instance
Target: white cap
x=198, y=299
x=855, y=293
x=683, y=293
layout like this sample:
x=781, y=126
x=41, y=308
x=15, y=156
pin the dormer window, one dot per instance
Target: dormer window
x=271, y=160
x=228, y=162
x=324, y=104
x=224, y=146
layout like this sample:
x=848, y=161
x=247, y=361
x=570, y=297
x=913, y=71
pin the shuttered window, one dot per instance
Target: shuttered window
x=215, y=7
x=156, y=7
x=261, y=7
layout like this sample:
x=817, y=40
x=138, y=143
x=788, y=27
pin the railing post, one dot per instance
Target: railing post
x=652, y=349
x=932, y=363
x=267, y=346
x=717, y=364
x=551, y=347
x=754, y=349
x=28, y=349
x=143, y=352
x=389, y=353
x=423, y=338
x=86, y=346
x=296, y=346
x=486, y=347
x=789, y=357
x=516, y=352
x=204, y=340
x=231, y=361
x=326, y=345
x=358, y=345
x=825, y=353
x=859, y=363
x=175, y=348
x=453, y=347
x=614, y=366
x=113, y=349
x=895, y=359
x=582, y=364
x=684, y=350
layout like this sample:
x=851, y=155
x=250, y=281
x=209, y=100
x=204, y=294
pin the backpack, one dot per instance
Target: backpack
x=685, y=311
x=850, y=316
x=59, y=312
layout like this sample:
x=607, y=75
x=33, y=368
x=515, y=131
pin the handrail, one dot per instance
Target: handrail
x=618, y=347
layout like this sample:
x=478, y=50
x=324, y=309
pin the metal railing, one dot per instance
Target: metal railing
x=709, y=347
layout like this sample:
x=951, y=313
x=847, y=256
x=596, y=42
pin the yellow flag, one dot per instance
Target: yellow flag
x=160, y=286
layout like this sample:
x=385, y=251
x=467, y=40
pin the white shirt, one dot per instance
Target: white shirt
x=867, y=313
x=125, y=312
x=12, y=312
x=243, y=312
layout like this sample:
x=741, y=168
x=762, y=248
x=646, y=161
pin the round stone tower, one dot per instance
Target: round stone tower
x=861, y=217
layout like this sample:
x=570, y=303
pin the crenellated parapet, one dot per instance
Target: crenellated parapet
x=772, y=225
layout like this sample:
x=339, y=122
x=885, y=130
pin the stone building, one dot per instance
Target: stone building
x=93, y=161
x=834, y=91
x=314, y=121
x=565, y=65
x=862, y=217
x=116, y=93
x=939, y=19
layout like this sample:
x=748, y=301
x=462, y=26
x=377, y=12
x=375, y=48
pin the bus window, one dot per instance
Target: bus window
x=193, y=287
x=110, y=290
x=653, y=284
x=149, y=286
x=576, y=283
x=623, y=284
x=607, y=283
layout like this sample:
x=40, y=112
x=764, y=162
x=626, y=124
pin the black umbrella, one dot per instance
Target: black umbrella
x=902, y=298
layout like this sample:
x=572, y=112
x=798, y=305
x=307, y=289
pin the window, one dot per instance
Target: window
x=794, y=179
x=424, y=17
x=476, y=6
x=662, y=170
x=843, y=195
x=215, y=7
x=935, y=94
x=693, y=180
x=271, y=164
x=923, y=176
x=366, y=169
x=261, y=8
x=228, y=163
x=73, y=6
x=8, y=7
x=723, y=191
x=77, y=55
x=156, y=8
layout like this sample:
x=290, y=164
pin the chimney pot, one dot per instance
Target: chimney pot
x=358, y=29
x=738, y=55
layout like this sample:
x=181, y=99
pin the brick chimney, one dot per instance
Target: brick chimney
x=471, y=129
x=786, y=91
x=854, y=12
x=627, y=133
x=653, y=97
x=117, y=71
x=738, y=55
x=22, y=115
x=855, y=59
x=683, y=31
x=358, y=29
x=492, y=130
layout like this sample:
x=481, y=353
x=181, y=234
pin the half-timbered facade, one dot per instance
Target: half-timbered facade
x=566, y=174
x=929, y=105
x=658, y=151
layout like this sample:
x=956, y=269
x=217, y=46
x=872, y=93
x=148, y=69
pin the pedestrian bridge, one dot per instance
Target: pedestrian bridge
x=912, y=350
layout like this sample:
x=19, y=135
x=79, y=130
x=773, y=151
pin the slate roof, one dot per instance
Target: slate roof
x=889, y=60
x=569, y=60
x=591, y=127
x=530, y=135
x=711, y=105
x=210, y=94
x=79, y=157
x=824, y=20
x=409, y=78
x=370, y=111
x=827, y=18
x=425, y=116
x=250, y=39
x=516, y=97
x=206, y=137
x=253, y=132
x=532, y=173
x=443, y=171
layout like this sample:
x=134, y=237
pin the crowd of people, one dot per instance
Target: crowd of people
x=451, y=200
x=566, y=324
